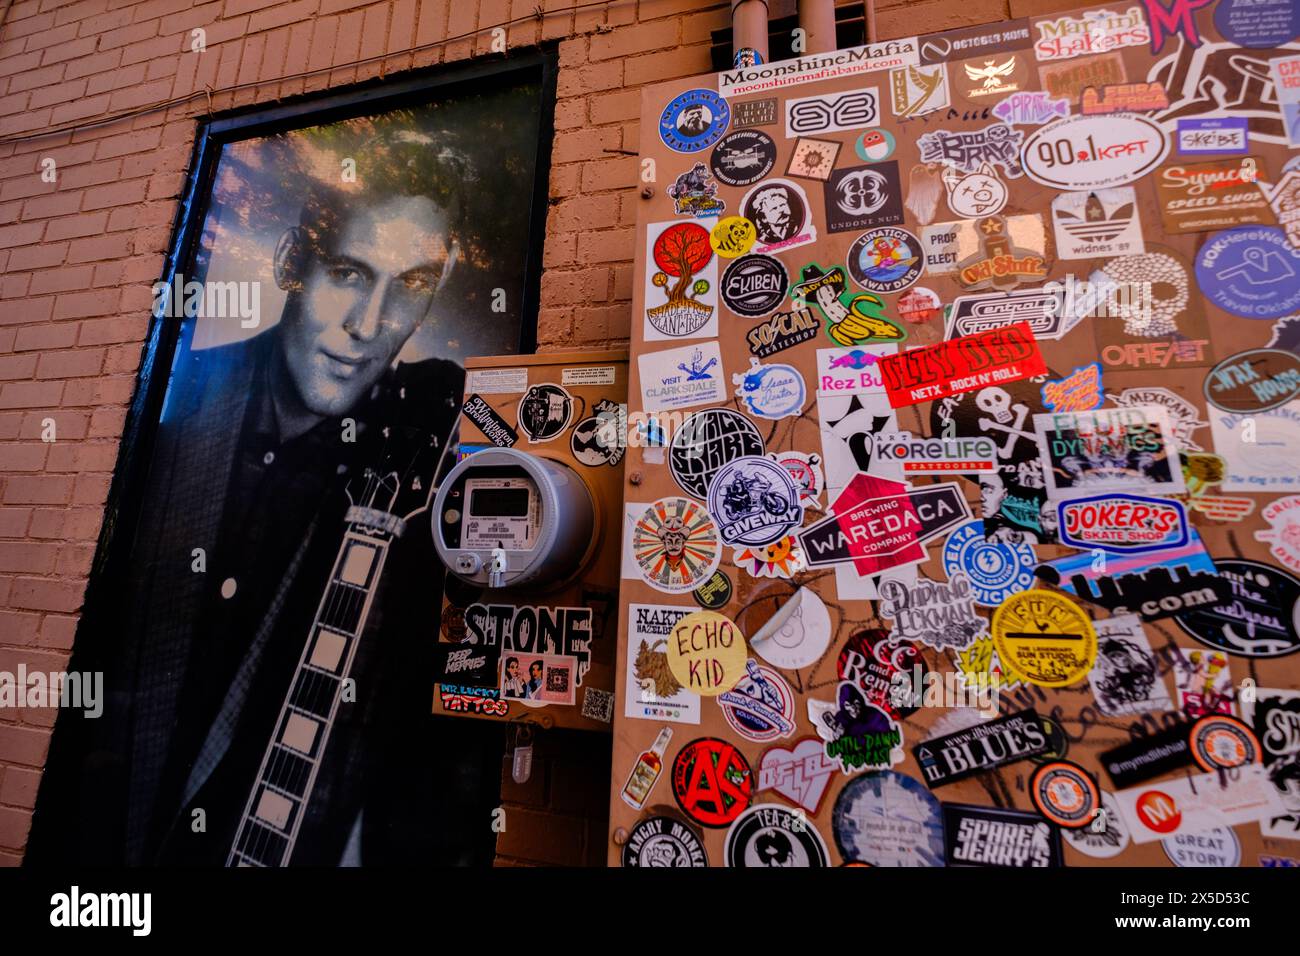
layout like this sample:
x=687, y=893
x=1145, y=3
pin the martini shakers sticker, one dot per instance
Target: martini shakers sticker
x=1094, y=152
x=859, y=735
x=1065, y=794
x=651, y=692
x=1252, y=272
x=754, y=285
x=1096, y=31
x=761, y=705
x=663, y=842
x=1044, y=638
x=996, y=569
x=1261, y=619
x=1097, y=224
x=771, y=391
x=1126, y=678
x=680, y=378
x=706, y=441
x=770, y=835
x=781, y=215
x=545, y=412
x=675, y=544
x=888, y=819
x=863, y=197
x=1200, y=197
x=712, y=782
x=681, y=292
x=743, y=158
x=755, y=501
x=693, y=121
x=1127, y=449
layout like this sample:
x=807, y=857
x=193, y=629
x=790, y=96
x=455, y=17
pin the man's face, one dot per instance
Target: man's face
x=361, y=298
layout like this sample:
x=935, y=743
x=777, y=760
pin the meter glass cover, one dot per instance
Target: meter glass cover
x=503, y=512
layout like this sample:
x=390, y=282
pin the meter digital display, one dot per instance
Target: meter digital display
x=503, y=513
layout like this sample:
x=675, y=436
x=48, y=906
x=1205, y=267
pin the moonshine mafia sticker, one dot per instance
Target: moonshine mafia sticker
x=770, y=835
x=1257, y=380
x=800, y=774
x=961, y=365
x=984, y=836
x=1261, y=619
x=693, y=121
x=755, y=501
x=996, y=569
x=771, y=391
x=761, y=705
x=682, y=377
x=986, y=746
x=681, y=291
x=853, y=61
x=781, y=215
x=1127, y=449
x=1096, y=31
x=754, y=285
x=1094, y=152
x=650, y=691
x=706, y=441
x=663, y=842
x=1123, y=523
x=1044, y=638
x=743, y=158
x=782, y=331
x=675, y=545
x=712, y=782
x=1251, y=271
x=888, y=819
x=863, y=197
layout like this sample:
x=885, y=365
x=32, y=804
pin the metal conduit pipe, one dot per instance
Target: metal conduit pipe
x=817, y=20
x=749, y=27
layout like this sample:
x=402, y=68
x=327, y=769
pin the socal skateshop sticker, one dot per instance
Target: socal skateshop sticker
x=682, y=377
x=863, y=197
x=681, y=292
x=797, y=634
x=770, y=835
x=712, y=782
x=695, y=193
x=782, y=331
x=1201, y=197
x=782, y=558
x=496, y=428
x=1283, y=534
x=743, y=158
x=961, y=365
x=851, y=318
x=754, y=285
x=985, y=746
x=761, y=705
x=1094, y=152
x=705, y=442
x=651, y=692
x=706, y=653
x=1251, y=271
x=1121, y=523
x=675, y=545
x=1065, y=794
x=984, y=836
x=888, y=819
x=1129, y=449
x=663, y=842
x=800, y=774
x=885, y=261
x=996, y=569
x=1220, y=742
x=755, y=501
x=1106, y=837
x=771, y=391
x=1126, y=678
x=781, y=215
x=939, y=614
x=545, y=412
x=859, y=735
x=1260, y=619
x=1097, y=224
x=693, y=121
x=1257, y=380
x=1044, y=638
x=813, y=159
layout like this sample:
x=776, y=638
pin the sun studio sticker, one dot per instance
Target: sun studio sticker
x=1044, y=638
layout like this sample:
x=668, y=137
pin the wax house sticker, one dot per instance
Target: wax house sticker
x=707, y=653
x=1044, y=638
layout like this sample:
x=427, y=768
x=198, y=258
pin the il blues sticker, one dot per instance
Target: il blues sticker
x=693, y=121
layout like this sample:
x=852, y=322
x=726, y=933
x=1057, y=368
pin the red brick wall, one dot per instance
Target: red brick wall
x=78, y=257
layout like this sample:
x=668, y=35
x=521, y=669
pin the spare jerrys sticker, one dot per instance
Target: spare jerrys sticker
x=693, y=121
x=1123, y=523
x=1094, y=152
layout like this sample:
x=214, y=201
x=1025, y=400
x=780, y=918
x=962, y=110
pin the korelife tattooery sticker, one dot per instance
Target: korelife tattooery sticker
x=681, y=292
x=769, y=835
x=945, y=760
x=1043, y=309
x=1126, y=678
x=980, y=193
x=1097, y=224
x=813, y=159
x=885, y=261
x=1096, y=31
x=693, y=121
x=939, y=614
x=712, y=782
x=1044, y=638
x=695, y=193
x=1094, y=152
x=1200, y=197
x=983, y=836
x=743, y=158
x=771, y=391
x=706, y=441
x=937, y=456
x=914, y=91
x=1251, y=271
x=851, y=318
x=675, y=545
x=496, y=428
x=706, y=653
x=1257, y=380
x=863, y=197
x=996, y=569
x=832, y=112
x=1031, y=109
x=782, y=331
x=968, y=151
x=754, y=285
x=961, y=365
x=781, y=215
x=650, y=691
x=1198, y=803
x=663, y=842
x=761, y=705
x=1229, y=134
x=859, y=735
x=1283, y=534
x=545, y=412
x=755, y=501
x=1128, y=449
x=797, y=634
x=888, y=819
x=879, y=524
x=1262, y=618
x=680, y=378
x=799, y=774
x=1123, y=523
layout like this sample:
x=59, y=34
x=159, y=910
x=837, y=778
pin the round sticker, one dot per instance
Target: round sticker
x=772, y=835
x=732, y=237
x=1261, y=620
x=755, y=501
x=761, y=705
x=1058, y=745
x=1217, y=847
x=888, y=819
x=675, y=545
x=885, y=260
x=996, y=569
x=743, y=158
x=806, y=470
x=1158, y=811
x=693, y=121
x=713, y=593
x=1082, y=153
x=706, y=653
x=918, y=305
x=754, y=285
x=705, y=442
x=1219, y=742
x=1065, y=794
x=797, y=634
x=1251, y=271
x=1261, y=24
x=1105, y=836
x=1044, y=638
x=875, y=145
x=544, y=412
x=594, y=440
x=712, y=782
x=1257, y=380
x=780, y=213
x=663, y=842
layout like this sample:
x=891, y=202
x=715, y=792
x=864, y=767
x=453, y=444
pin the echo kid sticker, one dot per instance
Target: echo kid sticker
x=781, y=215
x=712, y=782
x=743, y=158
x=1094, y=152
x=681, y=291
x=1065, y=794
x=663, y=842
x=706, y=653
x=770, y=835
x=1220, y=742
x=706, y=441
x=1201, y=197
x=675, y=545
x=875, y=145
x=545, y=412
x=1044, y=638
x=693, y=121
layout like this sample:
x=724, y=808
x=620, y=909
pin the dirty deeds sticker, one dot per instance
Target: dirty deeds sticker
x=651, y=692
x=1125, y=449
x=1097, y=224
x=1198, y=803
x=961, y=365
x=1044, y=638
x=707, y=653
x=680, y=378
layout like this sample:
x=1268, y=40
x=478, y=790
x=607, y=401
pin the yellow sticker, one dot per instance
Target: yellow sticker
x=1044, y=638
x=707, y=653
x=732, y=237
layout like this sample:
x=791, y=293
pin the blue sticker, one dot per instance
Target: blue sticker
x=1191, y=556
x=996, y=569
x=755, y=501
x=1127, y=524
x=771, y=391
x=693, y=121
x=888, y=819
x=1226, y=135
x=1260, y=24
x=1251, y=271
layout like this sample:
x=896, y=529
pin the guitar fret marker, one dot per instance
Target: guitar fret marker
x=274, y=809
x=328, y=651
x=357, y=565
x=299, y=733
